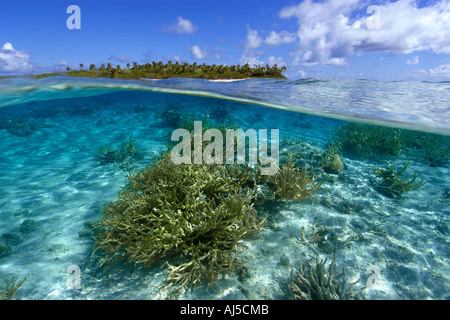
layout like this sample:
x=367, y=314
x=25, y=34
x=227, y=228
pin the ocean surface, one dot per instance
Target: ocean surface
x=380, y=150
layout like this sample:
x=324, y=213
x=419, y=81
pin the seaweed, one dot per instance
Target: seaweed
x=392, y=184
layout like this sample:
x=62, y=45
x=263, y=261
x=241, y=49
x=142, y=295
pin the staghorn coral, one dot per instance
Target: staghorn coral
x=293, y=183
x=393, y=185
x=433, y=149
x=122, y=155
x=193, y=216
x=10, y=288
x=314, y=281
x=336, y=163
x=369, y=140
x=331, y=160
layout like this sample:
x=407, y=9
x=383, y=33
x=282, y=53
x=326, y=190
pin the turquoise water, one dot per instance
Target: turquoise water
x=54, y=180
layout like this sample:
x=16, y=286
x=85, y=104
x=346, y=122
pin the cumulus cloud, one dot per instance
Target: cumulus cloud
x=301, y=74
x=252, y=43
x=441, y=71
x=197, y=53
x=272, y=61
x=12, y=61
x=275, y=39
x=121, y=59
x=182, y=26
x=413, y=60
x=253, y=39
x=329, y=31
x=252, y=53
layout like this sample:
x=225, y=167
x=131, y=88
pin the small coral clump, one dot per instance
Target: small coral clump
x=336, y=163
x=293, y=183
x=331, y=160
x=317, y=282
x=10, y=288
x=393, y=185
x=121, y=155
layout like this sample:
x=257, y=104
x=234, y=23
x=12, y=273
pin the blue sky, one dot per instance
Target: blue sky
x=382, y=40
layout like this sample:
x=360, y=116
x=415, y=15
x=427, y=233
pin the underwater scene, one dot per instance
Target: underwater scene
x=257, y=189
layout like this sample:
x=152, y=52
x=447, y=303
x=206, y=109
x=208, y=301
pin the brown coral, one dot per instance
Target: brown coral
x=336, y=164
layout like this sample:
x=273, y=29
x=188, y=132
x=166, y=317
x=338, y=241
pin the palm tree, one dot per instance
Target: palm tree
x=81, y=66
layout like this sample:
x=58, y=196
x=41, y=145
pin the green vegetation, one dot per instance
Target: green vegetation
x=369, y=140
x=160, y=70
x=393, y=185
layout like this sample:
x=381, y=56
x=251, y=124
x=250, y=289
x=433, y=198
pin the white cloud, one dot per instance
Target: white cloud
x=272, y=61
x=301, y=74
x=251, y=58
x=442, y=71
x=121, y=59
x=275, y=39
x=197, y=53
x=413, y=60
x=183, y=26
x=218, y=53
x=253, y=39
x=329, y=31
x=251, y=54
x=12, y=60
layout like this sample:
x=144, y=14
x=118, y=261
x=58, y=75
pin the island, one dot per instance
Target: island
x=161, y=70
